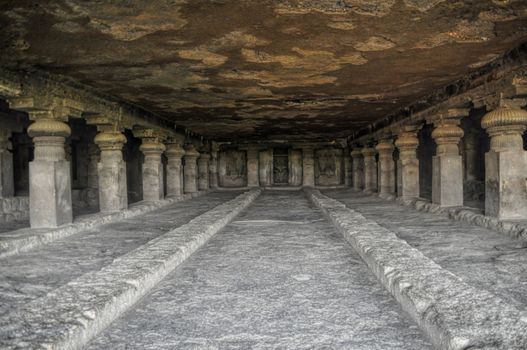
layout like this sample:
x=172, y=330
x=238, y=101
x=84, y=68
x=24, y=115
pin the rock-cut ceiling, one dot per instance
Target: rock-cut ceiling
x=260, y=68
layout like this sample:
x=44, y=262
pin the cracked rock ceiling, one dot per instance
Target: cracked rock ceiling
x=262, y=69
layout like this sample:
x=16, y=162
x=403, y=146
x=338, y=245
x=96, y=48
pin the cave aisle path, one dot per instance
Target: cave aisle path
x=279, y=276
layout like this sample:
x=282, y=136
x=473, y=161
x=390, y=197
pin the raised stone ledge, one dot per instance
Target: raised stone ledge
x=454, y=314
x=70, y=316
x=14, y=209
x=469, y=215
x=25, y=239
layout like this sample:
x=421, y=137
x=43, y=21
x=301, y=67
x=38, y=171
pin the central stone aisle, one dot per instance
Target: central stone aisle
x=277, y=277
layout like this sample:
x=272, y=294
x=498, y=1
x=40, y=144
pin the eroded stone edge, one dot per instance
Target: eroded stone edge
x=68, y=317
x=464, y=214
x=453, y=314
x=23, y=240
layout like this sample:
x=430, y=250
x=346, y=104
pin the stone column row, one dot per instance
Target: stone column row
x=505, y=163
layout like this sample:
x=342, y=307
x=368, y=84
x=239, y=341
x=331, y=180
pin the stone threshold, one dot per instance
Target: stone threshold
x=452, y=313
x=25, y=239
x=474, y=216
x=68, y=317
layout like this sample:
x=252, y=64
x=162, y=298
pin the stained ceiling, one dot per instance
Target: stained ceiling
x=262, y=69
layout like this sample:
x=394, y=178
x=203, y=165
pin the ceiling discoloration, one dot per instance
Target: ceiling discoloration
x=262, y=69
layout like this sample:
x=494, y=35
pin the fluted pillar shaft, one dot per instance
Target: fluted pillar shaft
x=370, y=169
x=357, y=169
x=213, y=169
x=385, y=149
x=111, y=171
x=252, y=167
x=203, y=171
x=174, y=154
x=407, y=165
x=153, y=184
x=347, y=168
x=506, y=164
x=308, y=166
x=94, y=157
x=191, y=169
x=447, y=165
x=7, y=184
x=49, y=173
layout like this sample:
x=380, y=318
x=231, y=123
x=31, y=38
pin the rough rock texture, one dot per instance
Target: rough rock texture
x=14, y=209
x=272, y=279
x=25, y=239
x=454, y=314
x=481, y=257
x=69, y=316
x=31, y=275
x=237, y=69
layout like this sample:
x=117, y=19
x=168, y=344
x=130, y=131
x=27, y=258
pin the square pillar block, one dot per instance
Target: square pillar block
x=506, y=184
x=113, y=194
x=447, y=180
x=153, y=181
x=252, y=169
x=49, y=193
x=408, y=178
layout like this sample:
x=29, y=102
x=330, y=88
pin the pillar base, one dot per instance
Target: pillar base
x=408, y=178
x=447, y=180
x=49, y=193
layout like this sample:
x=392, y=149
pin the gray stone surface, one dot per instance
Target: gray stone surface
x=24, y=239
x=272, y=279
x=31, y=275
x=447, y=180
x=476, y=297
x=67, y=317
x=49, y=193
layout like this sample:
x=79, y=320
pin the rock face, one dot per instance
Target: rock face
x=295, y=68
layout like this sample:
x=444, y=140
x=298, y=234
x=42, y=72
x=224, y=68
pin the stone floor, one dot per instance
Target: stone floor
x=483, y=258
x=30, y=275
x=279, y=276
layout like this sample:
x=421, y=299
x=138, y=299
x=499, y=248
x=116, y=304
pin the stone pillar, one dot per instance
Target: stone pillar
x=266, y=167
x=447, y=166
x=370, y=169
x=408, y=164
x=213, y=167
x=252, y=167
x=152, y=149
x=386, y=167
x=191, y=169
x=7, y=183
x=49, y=173
x=93, y=178
x=174, y=153
x=357, y=169
x=203, y=171
x=308, y=166
x=113, y=192
x=347, y=167
x=295, y=167
x=470, y=143
x=506, y=164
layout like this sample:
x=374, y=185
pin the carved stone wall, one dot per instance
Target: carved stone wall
x=329, y=170
x=14, y=209
x=232, y=168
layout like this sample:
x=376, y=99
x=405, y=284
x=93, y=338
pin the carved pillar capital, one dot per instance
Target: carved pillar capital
x=447, y=137
x=505, y=126
x=110, y=140
x=191, y=152
x=385, y=147
x=174, y=151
